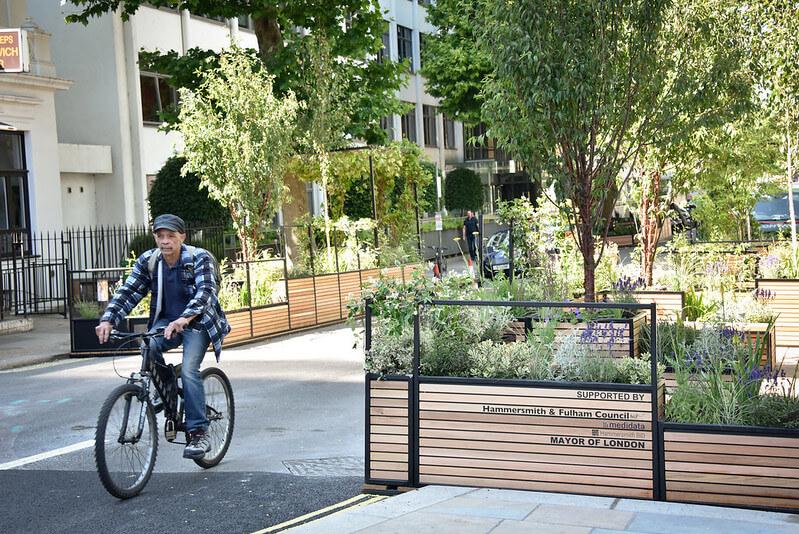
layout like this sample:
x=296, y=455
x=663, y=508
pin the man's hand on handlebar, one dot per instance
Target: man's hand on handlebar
x=176, y=326
x=103, y=331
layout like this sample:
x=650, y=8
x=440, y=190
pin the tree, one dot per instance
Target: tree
x=588, y=86
x=455, y=62
x=183, y=196
x=239, y=137
x=353, y=29
x=774, y=25
x=464, y=190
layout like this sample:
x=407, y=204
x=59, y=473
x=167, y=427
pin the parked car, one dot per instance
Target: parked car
x=496, y=257
x=771, y=213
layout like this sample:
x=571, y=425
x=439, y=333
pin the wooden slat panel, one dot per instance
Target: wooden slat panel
x=530, y=439
x=742, y=483
x=484, y=400
x=533, y=466
x=389, y=475
x=733, y=469
x=732, y=499
x=389, y=384
x=390, y=447
x=563, y=393
x=389, y=466
x=540, y=476
x=625, y=463
x=532, y=420
x=730, y=439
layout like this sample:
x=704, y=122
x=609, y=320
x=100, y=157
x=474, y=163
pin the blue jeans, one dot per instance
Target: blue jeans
x=195, y=343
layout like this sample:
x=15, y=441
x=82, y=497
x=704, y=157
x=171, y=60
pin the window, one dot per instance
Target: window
x=408, y=122
x=387, y=124
x=483, y=149
x=156, y=96
x=429, y=125
x=422, y=38
x=245, y=22
x=385, y=51
x=449, y=133
x=13, y=183
x=405, y=44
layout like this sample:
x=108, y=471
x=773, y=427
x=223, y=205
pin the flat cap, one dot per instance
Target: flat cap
x=167, y=221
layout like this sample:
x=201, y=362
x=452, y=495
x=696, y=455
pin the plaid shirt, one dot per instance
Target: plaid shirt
x=197, y=275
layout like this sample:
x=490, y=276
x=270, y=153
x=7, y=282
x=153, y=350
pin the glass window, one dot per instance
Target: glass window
x=156, y=96
x=11, y=157
x=422, y=38
x=429, y=125
x=245, y=22
x=387, y=124
x=449, y=133
x=409, y=125
x=384, y=52
x=405, y=44
x=477, y=149
x=13, y=202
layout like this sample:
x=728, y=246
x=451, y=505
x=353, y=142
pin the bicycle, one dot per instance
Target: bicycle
x=126, y=440
x=439, y=261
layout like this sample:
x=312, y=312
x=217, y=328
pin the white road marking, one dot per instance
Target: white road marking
x=45, y=455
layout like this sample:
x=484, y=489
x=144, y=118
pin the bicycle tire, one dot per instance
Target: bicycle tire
x=222, y=417
x=113, y=480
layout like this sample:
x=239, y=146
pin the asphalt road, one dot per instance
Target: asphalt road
x=297, y=447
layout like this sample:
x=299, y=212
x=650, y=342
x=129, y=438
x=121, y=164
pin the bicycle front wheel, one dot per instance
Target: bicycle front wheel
x=126, y=442
x=220, y=410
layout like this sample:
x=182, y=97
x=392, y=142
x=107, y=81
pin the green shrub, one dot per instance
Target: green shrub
x=87, y=309
x=464, y=190
x=490, y=359
x=183, y=196
x=389, y=354
x=774, y=410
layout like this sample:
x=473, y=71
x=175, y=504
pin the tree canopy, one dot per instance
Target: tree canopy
x=239, y=138
x=352, y=28
x=591, y=83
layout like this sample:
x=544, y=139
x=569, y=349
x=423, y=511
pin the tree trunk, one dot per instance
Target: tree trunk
x=589, y=260
x=267, y=31
x=791, y=211
x=650, y=223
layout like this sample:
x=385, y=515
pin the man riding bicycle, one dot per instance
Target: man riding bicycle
x=183, y=283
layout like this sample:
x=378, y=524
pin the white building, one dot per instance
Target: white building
x=29, y=165
x=105, y=147
x=113, y=106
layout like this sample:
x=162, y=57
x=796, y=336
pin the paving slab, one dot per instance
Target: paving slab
x=433, y=523
x=497, y=508
x=526, y=527
x=585, y=516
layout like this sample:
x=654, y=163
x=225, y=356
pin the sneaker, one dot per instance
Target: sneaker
x=197, y=446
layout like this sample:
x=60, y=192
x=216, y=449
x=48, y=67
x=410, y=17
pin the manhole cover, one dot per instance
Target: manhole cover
x=341, y=466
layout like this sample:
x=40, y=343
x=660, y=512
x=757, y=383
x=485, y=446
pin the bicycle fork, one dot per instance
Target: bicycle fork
x=125, y=420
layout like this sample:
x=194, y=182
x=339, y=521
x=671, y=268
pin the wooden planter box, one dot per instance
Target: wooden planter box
x=388, y=440
x=670, y=304
x=547, y=436
x=736, y=466
x=621, y=240
x=613, y=337
x=754, y=332
x=786, y=305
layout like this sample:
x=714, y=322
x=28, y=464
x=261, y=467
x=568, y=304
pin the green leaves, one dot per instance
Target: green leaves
x=238, y=138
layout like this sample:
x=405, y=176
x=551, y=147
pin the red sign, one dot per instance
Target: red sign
x=13, y=51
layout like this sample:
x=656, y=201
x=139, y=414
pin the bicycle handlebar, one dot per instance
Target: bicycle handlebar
x=119, y=336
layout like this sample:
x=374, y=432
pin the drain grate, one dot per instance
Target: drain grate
x=339, y=466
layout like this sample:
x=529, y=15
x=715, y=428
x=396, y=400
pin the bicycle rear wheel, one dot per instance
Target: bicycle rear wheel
x=124, y=454
x=220, y=410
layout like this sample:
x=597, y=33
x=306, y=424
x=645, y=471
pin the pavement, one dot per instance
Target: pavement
x=459, y=510
x=48, y=341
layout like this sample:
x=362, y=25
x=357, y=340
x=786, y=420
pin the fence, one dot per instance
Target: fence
x=34, y=267
x=259, y=297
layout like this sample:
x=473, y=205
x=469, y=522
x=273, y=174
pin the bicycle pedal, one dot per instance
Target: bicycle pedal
x=170, y=431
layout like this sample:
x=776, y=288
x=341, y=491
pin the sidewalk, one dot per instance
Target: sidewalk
x=447, y=509
x=48, y=340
